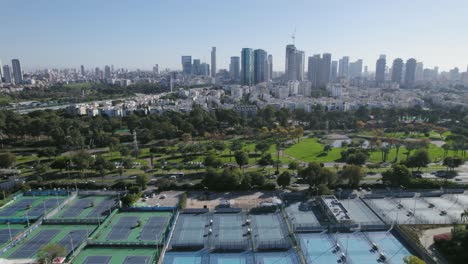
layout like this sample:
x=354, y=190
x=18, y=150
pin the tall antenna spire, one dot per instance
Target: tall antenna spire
x=293, y=36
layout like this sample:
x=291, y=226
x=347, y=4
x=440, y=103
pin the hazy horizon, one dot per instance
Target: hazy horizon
x=139, y=34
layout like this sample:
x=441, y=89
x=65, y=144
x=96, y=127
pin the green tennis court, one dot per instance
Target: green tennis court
x=116, y=256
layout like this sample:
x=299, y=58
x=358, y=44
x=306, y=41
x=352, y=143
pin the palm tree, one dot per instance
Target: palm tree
x=464, y=216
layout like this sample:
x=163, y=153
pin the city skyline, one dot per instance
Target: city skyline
x=148, y=35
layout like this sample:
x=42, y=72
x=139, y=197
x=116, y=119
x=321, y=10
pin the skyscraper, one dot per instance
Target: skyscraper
x=107, y=72
x=1, y=71
x=419, y=71
x=83, y=73
x=334, y=71
x=355, y=69
x=324, y=71
x=156, y=69
x=410, y=73
x=260, y=66
x=397, y=70
x=300, y=61
x=234, y=68
x=187, y=65
x=380, y=69
x=247, y=70
x=313, y=66
x=343, y=70
x=270, y=67
x=7, y=74
x=213, y=61
x=196, y=67
x=17, y=73
x=290, y=67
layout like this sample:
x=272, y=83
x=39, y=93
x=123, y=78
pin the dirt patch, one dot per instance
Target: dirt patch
x=244, y=200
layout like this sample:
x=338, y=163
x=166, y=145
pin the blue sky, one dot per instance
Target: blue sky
x=140, y=33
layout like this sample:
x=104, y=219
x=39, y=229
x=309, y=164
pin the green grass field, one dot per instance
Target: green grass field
x=116, y=255
x=309, y=149
x=135, y=233
x=64, y=232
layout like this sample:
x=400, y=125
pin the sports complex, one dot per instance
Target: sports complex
x=342, y=228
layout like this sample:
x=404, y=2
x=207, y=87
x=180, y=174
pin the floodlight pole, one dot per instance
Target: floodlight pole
x=9, y=231
x=71, y=240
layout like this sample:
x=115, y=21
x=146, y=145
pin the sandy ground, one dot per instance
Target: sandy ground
x=427, y=240
x=427, y=237
x=244, y=200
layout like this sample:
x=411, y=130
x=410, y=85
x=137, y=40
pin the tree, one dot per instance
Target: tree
x=327, y=148
x=49, y=252
x=213, y=161
x=186, y=137
x=242, y=158
x=311, y=173
x=7, y=159
x=257, y=178
x=398, y=175
x=358, y=158
x=293, y=165
x=219, y=146
x=262, y=147
x=353, y=174
x=82, y=160
x=452, y=162
x=413, y=260
x=265, y=160
x=284, y=179
x=418, y=160
x=142, y=180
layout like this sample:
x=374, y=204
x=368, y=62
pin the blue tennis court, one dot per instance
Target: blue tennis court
x=45, y=206
x=137, y=260
x=123, y=228
x=97, y=260
x=5, y=234
x=229, y=232
x=231, y=258
x=73, y=239
x=190, y=231
x=269, y=232
x=76, y=208
x=185, y=258
x=13, y=208
x=357, y=248
x=389, y=244
x=101, y=208
x=318, y=248
x=284, y=257
x=154, y=228
x=30, y=247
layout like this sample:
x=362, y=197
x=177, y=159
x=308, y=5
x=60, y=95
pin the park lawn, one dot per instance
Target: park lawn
x=309, y=149
x=376, y=156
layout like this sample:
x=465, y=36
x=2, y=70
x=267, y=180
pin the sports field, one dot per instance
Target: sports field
x=146, y=227
x=85, y=207
x=190, y=231
x=269, y=232
x=229, y=231
x=116, y=256
x=68, y=236
x=9, y=232
x=31, y=206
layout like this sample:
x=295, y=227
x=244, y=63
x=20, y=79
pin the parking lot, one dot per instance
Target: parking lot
x=163, y=199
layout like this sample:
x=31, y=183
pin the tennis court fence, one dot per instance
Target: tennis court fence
x=87, y=221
